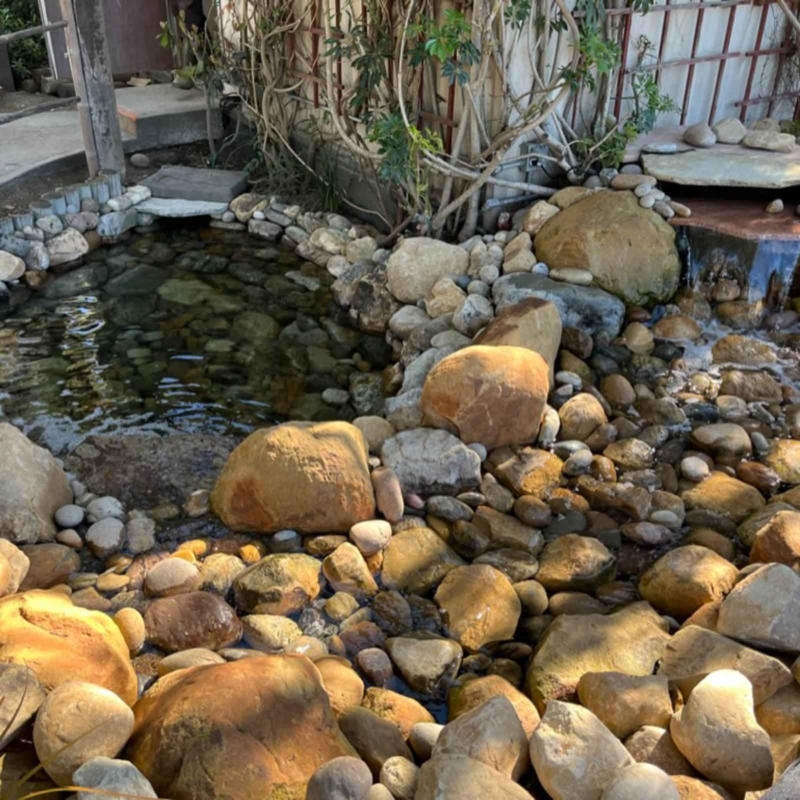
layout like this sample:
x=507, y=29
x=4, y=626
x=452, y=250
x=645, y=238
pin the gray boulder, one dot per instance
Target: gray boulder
x=586, y=307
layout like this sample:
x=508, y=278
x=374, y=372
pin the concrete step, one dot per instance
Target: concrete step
x=161, y=115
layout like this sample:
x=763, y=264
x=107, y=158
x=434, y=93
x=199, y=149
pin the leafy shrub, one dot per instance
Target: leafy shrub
x=27, y=54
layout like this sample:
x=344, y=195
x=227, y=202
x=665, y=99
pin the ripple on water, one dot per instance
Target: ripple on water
x=192, y=330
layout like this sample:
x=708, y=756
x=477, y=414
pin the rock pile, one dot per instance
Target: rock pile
x=561, y=565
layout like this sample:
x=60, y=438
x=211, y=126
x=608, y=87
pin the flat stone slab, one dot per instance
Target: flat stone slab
x=727, y=165
x=165, y=207
x=212, y=185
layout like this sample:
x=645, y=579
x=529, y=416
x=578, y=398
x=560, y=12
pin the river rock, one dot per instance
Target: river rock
x=700, y=135
x=196, y=734
x=491, y=734
x=476, y=692
x=343, y=778
x=428, y=461
x=466, y=779
x=61, y=643
x=269, y=633
x=375, y=739
x=492, y=395
x=629, y=250
x=66, y=247
x=532, y=323
x=575, y=756
x=587, y=308
x=283, y=583
x=717, y=732
x=580, y=417
x=172, y=576
x=427, y=662
x=763, y=609
x=778, y=540
x=417, y=263
x=737, y=349
x=625, y=703
x=192, y=619
x=575, y=563
x=641, y=782
x=784, y=458
x=723, y=495
x=729, y=130
x=79, y=721
x=651, y=745
x=787, y=787
x=686, y=578
x=629, y=641
x=347, y=571
x=11, y=267
x=114, y=776
x=32, y=487
x=479, y=606
x=342, y=683
x=417, y=560
x=403, y=711
x=694, y=652
x=309, y=477
x=723, y=440
x=769, y=140
x=526, y=470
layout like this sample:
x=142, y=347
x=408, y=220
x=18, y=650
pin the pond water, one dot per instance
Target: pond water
x=186, y=329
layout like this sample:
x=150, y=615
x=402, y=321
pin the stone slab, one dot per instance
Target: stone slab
x=727, y=165
x=212, y=185
x=166, y=207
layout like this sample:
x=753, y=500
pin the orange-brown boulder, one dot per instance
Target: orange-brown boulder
x=61, y=642
x=532, y=323
x=253, y=729
x=492, y=395
x=306, y=476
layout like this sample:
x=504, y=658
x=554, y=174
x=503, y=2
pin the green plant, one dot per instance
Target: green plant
x=449, y=43
x=26, y=54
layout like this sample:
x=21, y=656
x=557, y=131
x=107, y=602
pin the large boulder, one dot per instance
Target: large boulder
x=32, y=487
x=61, y=642
x=418, y=263
x=630, y=250
x=717, y=732
x=629, y=641
x=253, y=729
x=532, y=323
x=492, y=395
x=311, y=477
x=724, y=495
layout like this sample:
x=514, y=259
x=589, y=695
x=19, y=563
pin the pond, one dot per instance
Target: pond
x=188, y=329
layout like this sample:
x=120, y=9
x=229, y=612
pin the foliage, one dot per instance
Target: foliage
x=28, y=54
x=449, y=43
x=403, y=149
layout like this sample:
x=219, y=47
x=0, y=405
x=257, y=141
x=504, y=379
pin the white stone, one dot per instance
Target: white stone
x=11, y=267
x=575, y=756
x=168, y=207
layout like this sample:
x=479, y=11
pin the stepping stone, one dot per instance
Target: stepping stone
x=213, y=185
x=161, y=207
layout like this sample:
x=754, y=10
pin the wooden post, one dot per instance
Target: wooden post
x=91, y=71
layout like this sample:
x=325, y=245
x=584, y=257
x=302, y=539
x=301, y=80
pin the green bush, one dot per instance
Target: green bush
x=27, y=54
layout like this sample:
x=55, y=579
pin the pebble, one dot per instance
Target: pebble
x=140, y=161
x=775, y=206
